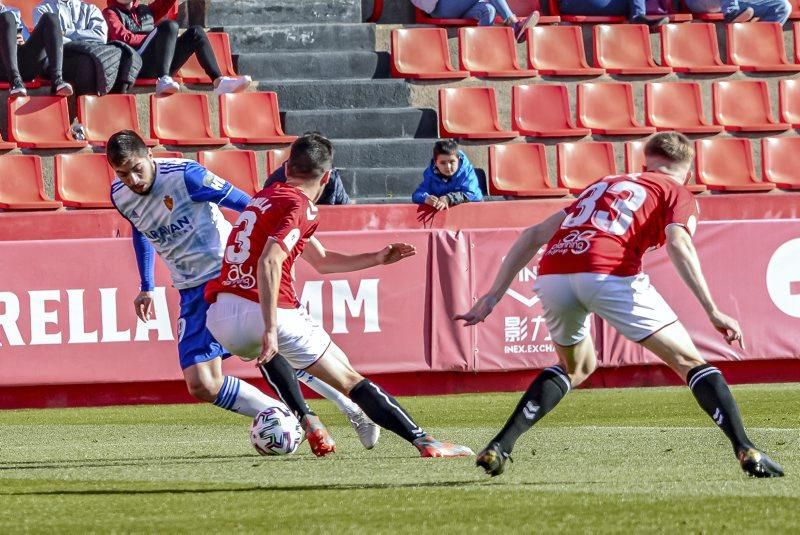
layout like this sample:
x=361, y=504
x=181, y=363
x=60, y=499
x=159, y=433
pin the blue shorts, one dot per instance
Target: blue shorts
x=195, y=342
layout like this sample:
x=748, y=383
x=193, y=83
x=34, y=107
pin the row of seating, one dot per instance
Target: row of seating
x=83, y=180
x=423, y=53
x=43, y=122
x=543, y=110
x=26, y=8
x=722, y=164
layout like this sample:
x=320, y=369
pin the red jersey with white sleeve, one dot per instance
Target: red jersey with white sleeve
x=615, y=221
x=280, y=212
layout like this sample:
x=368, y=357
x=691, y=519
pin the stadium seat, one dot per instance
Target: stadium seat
x=607, y=108
x=102, y=116
x=520, y=169
x=470, y=113
x=7, y=145
x=490, y=51
x=521, y=8
x=692, y=48
x=558, y=51
x=758, y=46
x=21, y=184
x=582, y=164
x=542, y=110
x=422, y=54
x=251, y=118
x=182, y=119
x=236, y=166
x=276, y=158
x=192, y=72
x=26, y=8
x=726, y=164
x=711, y=16
x=795, y=14
x=167, y=154
x=634, y=163
x=796, y=33
x=625, y=49
x=677, y=106
x=83, y=180
x=789, y=91
x=780, y=161
x=40, y=123
x=674, y=17
x=744, y=106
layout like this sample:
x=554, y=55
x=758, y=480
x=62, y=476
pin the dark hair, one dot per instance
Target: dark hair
x=671, y=146
x=445, y=146
x=310, y=157
x=123, y=146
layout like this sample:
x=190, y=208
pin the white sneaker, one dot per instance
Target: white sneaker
x=231, y=84
x=368, y=431
x=167, y=86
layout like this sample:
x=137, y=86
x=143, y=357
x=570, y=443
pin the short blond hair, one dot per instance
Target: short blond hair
x=671, y=146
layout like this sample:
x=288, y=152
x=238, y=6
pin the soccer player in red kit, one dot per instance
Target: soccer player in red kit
x=254, y=309
x=592, y=264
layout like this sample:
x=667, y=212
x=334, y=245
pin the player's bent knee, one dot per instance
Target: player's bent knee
x=204, y=388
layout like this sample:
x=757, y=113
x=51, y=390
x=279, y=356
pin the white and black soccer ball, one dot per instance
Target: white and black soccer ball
x=276, y=431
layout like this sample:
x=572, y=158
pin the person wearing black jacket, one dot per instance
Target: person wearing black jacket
x=334, y=192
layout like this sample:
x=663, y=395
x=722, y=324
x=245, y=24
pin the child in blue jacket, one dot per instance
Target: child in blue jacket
x=449, y=180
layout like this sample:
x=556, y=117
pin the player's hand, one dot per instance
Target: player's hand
x=479, y=311
x=727, y=327
x=394, y=252
x=144, y=305
x=269, y=346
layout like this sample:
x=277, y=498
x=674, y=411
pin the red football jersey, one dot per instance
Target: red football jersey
x=281, y=212
x=615, y=221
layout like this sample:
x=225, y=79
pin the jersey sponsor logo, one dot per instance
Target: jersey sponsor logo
x=240, y=276
x=168, y=233
x=169, y=202
x=576, y=242
x=213, y=181
x=292, y=238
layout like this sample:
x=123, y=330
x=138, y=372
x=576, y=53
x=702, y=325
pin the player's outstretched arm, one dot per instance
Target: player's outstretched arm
x=268, y=275
x=517, y=258
x=684, y=257
x=325, y=261
x=145, y=261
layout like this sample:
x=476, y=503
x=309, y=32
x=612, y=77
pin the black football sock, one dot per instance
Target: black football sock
x=280, y=375
x=385, y=411
x=541, y=397
x=713, y=395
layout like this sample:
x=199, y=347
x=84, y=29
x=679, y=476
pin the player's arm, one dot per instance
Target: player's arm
x=270, y=265
x=325, y=261
x=684, y=257
x=523, y=250
x=205, y=186
x=145, y=261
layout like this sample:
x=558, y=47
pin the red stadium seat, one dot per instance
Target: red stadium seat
x=192, y=72
x=674, y=17
x=470, y=113
x=542, y=110
x=423, y=54
x=103, y=116
x=40, y=123
x=744, y=106
x=558, y=50
x=83, y=180
x=251, y=118
x=789, y=91
x=582, y=164
x=21, y=184
x=607, y=108
x=625, y=49
x=795, y=14
x=236, y=166
x=7, y=145
x=182, y=119
x=634, y=162
x=796, y=32
x=780, y=161
x=758, y=46
x=490, y=51
x=520, y=169
x=726, y=164
x=677, y=106
x=692, y=48
x=167, y=154
x=276, y=158
x=521, y=8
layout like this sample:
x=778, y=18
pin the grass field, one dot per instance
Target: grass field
x=635, y=460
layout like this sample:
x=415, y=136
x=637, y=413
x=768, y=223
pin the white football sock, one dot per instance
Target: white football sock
x=327, y=391
x=243, y=398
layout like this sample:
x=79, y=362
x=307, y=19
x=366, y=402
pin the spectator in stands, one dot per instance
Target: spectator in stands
x=744, y=10
x=484, y=11
x=163, y=52
x=449, y=180
x=27, y=55
x=635, y=10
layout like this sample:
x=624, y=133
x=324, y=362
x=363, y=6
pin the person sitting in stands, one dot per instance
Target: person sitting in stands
x=163, y=51
x=635, y=10
x=27, y=55
x=484, y=11
x=449, y=180
x=744, y=10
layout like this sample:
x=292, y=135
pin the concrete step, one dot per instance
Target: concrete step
x=242, y=12
x=339, y=94
x=315, y=65
x=382, y=153
x=365, y=123
x=302, y=37
x=381, y=184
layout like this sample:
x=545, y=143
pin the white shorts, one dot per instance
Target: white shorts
x=629, y=304
x=238, y=325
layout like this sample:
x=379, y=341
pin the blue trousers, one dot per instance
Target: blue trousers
x=484, y=11
x=765, y=10
x=610, y=8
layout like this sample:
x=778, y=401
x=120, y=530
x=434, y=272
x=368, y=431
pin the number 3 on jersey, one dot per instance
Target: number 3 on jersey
x=239, y=252
x=627, y=198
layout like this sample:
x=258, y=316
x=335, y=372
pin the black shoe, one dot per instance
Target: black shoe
x=744, y=15
x=493, y=459
x=756, y=463
x=17, y=89
x=654, y=24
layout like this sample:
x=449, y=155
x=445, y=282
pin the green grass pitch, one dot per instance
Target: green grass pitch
x=626, y=461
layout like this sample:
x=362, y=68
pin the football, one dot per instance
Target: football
x=276, y=431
